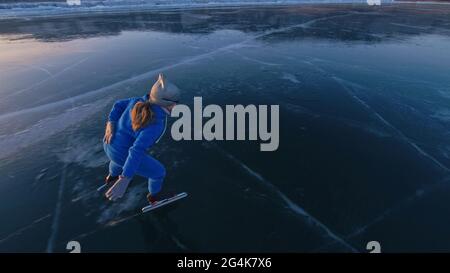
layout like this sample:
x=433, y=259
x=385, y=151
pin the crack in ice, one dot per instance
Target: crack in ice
x=293, y=206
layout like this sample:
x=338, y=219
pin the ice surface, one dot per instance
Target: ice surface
x=363, y=94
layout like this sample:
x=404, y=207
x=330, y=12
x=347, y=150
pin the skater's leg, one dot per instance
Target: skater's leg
x=154, y=171
x=116, y=161
x=149, y=168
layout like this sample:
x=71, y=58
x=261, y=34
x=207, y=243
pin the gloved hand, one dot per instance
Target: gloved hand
x=109, y=132
x=118, y=189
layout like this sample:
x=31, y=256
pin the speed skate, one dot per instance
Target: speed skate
x=164, y=202
x=156, y=204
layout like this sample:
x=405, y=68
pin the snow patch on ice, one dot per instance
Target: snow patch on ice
x=47, y=127
x=444, y=92
x=442, y=115
x=87, y=153
x=134, y=195
x=41, y=174
x=290, y=77
x=445, y=151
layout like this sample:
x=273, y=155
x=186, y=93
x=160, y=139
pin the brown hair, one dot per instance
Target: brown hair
x=141, y=115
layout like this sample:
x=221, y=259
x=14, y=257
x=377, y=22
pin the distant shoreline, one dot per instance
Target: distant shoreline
x=59, y=8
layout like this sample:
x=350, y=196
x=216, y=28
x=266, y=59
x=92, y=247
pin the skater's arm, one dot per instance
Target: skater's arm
x=115, y=114
x=145, y=140
x=117, y=110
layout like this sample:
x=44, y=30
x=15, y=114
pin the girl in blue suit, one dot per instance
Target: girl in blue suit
x=134, y=126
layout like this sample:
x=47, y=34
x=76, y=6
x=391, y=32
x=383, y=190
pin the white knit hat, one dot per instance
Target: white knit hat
x=164, y=93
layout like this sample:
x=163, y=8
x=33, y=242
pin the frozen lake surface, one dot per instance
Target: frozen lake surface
x=364, y=95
